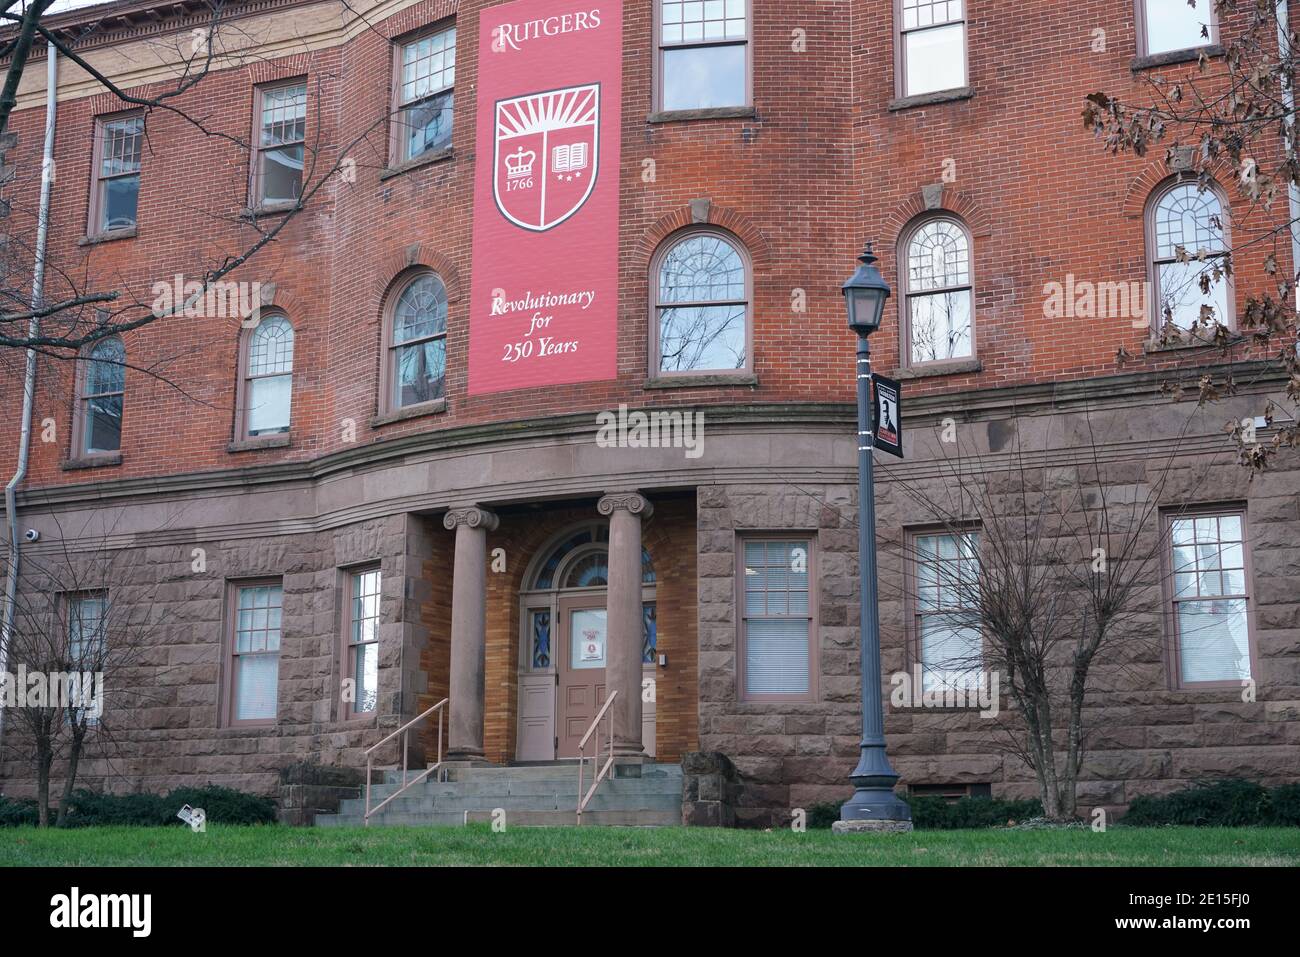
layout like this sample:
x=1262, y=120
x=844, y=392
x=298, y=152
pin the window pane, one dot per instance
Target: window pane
x=86, y=633
x=107, y=369
x=270, y=348
x=940, y=326
x=1181, y=298
x=702, y=268
x=936, y=59
x=104, y=424
x=950, y=651
x=649, y=633
x=697, y=78
x=427, y=126
x=284, y=115
x=702, y=337
x=587, y=639
x=1213, y=640
x=428, y=65
x=118, y=202
x=421, y=310
x=541, y=639
x=421, y=372
x=938, y=257
x=122, y=144
x=268, y=404
x=1173, y=25
x=256, y=681
x=281, y=179
x=776, y=656
x=365, y=668
x=1190, y=218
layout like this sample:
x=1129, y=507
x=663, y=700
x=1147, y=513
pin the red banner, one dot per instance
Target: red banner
x=544, y=294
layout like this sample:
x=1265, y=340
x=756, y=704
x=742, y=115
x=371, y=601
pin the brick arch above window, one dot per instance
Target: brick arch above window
x=391, y=274
x=416, y=17
x=721, y=217
x=902, y=217
x=277, y=298
x=283, y=68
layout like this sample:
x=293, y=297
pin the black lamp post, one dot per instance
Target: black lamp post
x=874, y=805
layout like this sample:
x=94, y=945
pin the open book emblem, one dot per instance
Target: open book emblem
x=546, y=155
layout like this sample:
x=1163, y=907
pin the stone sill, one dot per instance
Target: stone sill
x=931, y=99
x=1155, y=346
x=409, y=412
x=281, y=441
x=955, y=367
x=710, y=113
x=269, y=209
x=102, y=460
x=699, y=381
x=1169, y=57
x=426, y=159
x=108, y=237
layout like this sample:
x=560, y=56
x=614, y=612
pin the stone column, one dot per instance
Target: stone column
x=468, y=631
x=623, y=648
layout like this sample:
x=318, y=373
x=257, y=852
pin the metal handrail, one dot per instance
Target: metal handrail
x=403, y=731
x=594, y=728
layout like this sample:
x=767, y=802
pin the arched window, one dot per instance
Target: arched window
x=99, y=408
x=701, y=302
x=267, y=386
x=940, y=302
x=417, y=343
x=1188, y=245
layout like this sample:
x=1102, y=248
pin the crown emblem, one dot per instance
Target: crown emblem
x=520, y=164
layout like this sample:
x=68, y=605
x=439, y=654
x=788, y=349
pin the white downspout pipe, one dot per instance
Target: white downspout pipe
x=29, y=377
x=1288, y=102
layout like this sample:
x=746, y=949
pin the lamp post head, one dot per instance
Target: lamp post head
x=864, y=295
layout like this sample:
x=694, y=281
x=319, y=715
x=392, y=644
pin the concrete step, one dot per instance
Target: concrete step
x=553, y=818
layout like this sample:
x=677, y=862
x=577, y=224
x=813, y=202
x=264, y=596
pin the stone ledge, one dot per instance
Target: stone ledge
x=711, y=113
x=1170, y=57
x=931, y=99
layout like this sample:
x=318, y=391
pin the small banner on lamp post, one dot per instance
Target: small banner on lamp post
x=887, y=415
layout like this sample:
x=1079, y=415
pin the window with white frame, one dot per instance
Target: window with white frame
x=777, y=631
x=932, y=46
x=946, y=621
x=363, y=640
x=117, y=173
x=255, y=652
x=281, y=139
x=1210, y=597
x=1169, y=25
x=418, y=342
x=702, y=305
x=103, y=389
x=1189, y=258
x=426, y=75
x=268, y=381
x=87, y=649
x=940, y=299
x=703, y=58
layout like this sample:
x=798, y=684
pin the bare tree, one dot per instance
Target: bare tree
x=1231, y=119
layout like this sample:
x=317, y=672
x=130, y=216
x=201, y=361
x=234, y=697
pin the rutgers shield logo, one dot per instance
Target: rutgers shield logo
x=547, y=147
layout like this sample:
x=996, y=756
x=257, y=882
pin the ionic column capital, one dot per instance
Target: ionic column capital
x=633, y=502
x=471, y=516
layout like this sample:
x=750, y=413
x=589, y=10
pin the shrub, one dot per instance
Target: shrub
x=1230, y=803
x=15, y=813
x=91, y=809
x=936, y=814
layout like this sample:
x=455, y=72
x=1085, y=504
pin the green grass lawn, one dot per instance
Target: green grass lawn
x=226, y=845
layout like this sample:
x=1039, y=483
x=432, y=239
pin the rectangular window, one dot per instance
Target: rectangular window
x=946, y=623
x=426, y=74
x=281, y=135
x=87, y=648
x=703, y=54
x=777, y=637
x=932, y=46
x=1210, y=598
x=363, y=641
x=255, y=652
x=1168, y=25
x=118, y=146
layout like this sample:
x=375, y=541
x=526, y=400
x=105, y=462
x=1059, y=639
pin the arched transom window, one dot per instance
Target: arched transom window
x=702, y=306
x=103, y=389
x=940, y=300
x=1188, y=257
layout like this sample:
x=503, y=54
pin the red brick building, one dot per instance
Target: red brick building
x=758, y=146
